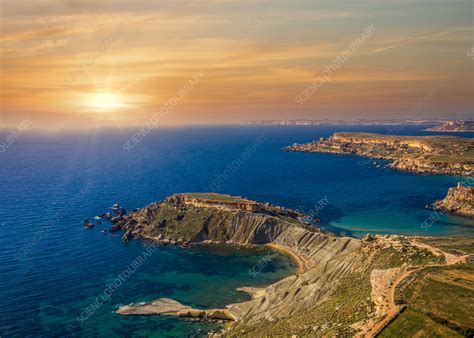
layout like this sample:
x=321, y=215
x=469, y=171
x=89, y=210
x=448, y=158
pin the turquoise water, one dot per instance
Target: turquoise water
x=52, y=269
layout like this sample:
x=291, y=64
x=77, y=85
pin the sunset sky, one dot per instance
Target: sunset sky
x=95, y=63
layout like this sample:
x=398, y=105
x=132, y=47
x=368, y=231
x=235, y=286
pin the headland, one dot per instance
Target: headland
x=347, y=286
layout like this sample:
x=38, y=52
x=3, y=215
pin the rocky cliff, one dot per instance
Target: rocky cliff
x=196, y=218
x=345, y=288
x=421, y=154
x=460, y=200
x=204, y=218
x=454, y=127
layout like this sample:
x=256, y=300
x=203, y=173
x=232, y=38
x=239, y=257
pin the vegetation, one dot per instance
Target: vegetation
x=220, y=197
x=438, y=298
x=188, y=223
x=458, y=246
x=413, y=324
x=445, y=295
x=422, y=154
x=349, y=303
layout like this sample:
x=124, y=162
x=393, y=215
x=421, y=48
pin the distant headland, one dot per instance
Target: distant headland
x=346, y=122
x=421, y=154
x=454, y=127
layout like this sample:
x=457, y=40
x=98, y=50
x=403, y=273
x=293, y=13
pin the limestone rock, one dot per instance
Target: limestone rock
x=459, y=200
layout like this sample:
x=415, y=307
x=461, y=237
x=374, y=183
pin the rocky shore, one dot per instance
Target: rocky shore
x=198, y=218
x=346, y=286
x=212, y=218
x=421, y=154
x=170, y=307
x=460, y=200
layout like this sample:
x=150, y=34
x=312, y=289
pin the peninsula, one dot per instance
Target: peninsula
x=454, y=127
x=421, y=154
x=347, y=122
x=347, y=286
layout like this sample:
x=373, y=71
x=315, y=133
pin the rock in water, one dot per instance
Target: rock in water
x=127, y=236
x=166, y=306
x=115, y=228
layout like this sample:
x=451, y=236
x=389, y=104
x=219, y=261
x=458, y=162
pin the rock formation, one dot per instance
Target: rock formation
x=222, y=218
x=198, y=217
x=347, y=285
x=421, y=154
x=165, y=306
x=454, y=127
x=460, y=200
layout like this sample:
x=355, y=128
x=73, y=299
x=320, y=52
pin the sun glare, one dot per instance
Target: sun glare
x=105, y=101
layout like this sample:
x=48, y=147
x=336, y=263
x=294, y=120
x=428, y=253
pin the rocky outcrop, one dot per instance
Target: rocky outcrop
x=346, y=288
x=88, y=224
x=195, y=218
x=454, y=127
x=386, y=141
x=223, y=218
x=210, y=200
x=170, y=307
x=420, y=154
x=460, y=200
x=202, y=218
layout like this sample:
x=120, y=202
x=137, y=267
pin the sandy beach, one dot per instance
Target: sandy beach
x=302, y=263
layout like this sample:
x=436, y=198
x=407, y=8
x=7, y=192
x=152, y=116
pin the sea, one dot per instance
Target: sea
x=56, y=276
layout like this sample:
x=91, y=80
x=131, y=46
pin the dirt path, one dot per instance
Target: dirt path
x=385, y=282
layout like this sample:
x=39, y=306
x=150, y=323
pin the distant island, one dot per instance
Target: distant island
x=344, y=286
x=454, y=126
x=421, y=154
x=355, y=122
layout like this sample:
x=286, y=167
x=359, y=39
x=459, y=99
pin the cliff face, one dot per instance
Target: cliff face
x=388, y=141
x=460, y=200
x=421, y=154
x=194, y=218
x=454, y=126
x=334, y=260
x=346, y=288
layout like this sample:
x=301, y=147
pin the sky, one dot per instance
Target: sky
x=72, y=64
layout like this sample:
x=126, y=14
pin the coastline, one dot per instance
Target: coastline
x=326, y=266
x=302, y=263
x=419, y=154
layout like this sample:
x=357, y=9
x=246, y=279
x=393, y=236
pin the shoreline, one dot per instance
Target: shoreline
x=303, y=264
x=418, y=154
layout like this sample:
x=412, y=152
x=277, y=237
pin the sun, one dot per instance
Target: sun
x=104, y=101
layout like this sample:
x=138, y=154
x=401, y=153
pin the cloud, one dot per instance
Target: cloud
x=378, y=50
x=452, y=35
x=253, y=60
x=38, y=48
x=31, y=34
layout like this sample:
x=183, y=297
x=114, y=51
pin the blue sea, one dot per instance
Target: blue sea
x=52, y=269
